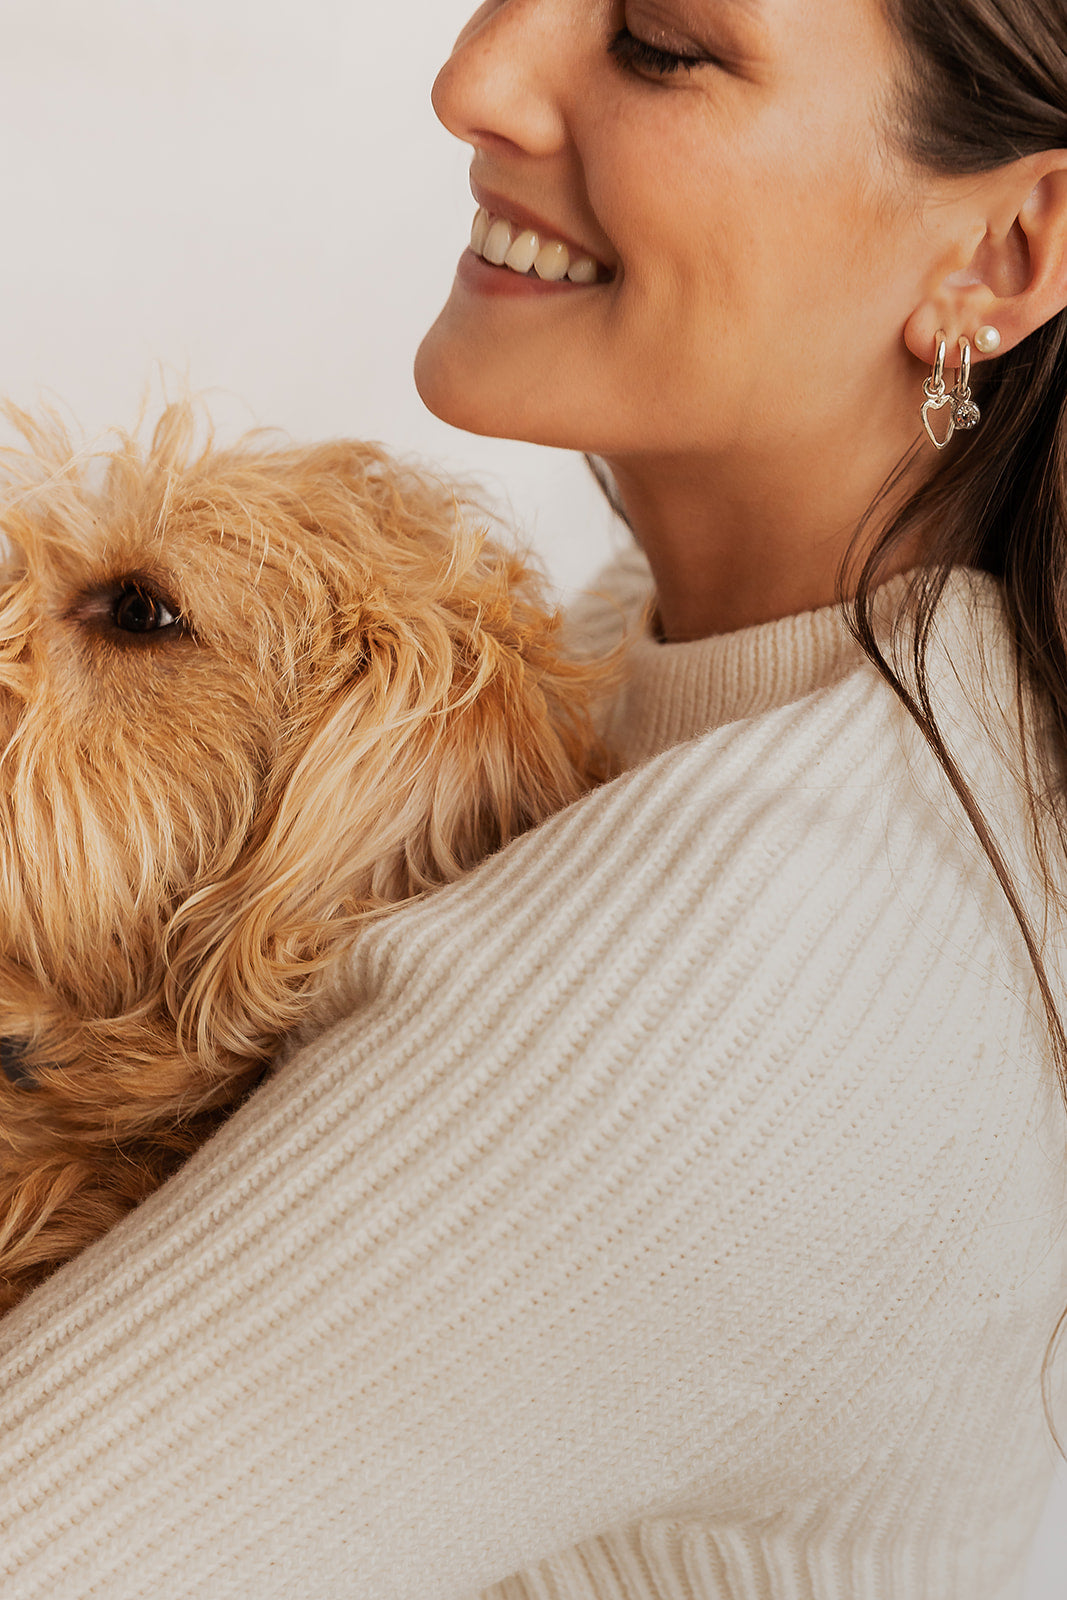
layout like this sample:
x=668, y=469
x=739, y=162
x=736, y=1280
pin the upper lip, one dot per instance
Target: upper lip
x=499, y=205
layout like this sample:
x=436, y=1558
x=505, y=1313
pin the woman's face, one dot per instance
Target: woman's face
x=759, y=244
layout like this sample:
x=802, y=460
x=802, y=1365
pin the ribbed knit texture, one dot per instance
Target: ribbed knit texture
x=671, y=1210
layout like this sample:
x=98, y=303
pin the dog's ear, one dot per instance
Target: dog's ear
x=453, y=731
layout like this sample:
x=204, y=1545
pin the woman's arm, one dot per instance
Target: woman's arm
x=626, y=1181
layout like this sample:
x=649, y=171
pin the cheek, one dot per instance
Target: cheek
x=726, y=226
x=749, y=278
x=713, y=261
x=152, y=709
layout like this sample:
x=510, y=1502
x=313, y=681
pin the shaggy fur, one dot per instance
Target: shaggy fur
x=359, y=696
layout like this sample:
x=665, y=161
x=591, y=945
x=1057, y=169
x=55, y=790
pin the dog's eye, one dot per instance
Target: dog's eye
x=13, y=1063
x=137, y=610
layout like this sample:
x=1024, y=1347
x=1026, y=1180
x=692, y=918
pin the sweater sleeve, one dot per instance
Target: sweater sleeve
x=671, y=1171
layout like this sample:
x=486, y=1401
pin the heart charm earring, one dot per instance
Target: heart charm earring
x=965, y=414
x=937, y=396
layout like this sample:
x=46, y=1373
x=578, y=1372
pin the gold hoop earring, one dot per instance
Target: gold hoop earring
x=965, y=414
x=937, y=396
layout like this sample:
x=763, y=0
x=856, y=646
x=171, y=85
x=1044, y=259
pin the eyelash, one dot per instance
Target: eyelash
x=638, y=55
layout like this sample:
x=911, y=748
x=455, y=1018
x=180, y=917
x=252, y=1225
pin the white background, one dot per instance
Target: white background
x=256, y=194
x=259, y=196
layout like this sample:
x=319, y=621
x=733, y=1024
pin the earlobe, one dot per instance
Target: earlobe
x=921, y=330
x=984, y=294
x=1016, y=280
x=959, y=303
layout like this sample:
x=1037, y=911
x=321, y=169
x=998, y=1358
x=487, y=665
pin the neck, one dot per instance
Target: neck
x=755, y=538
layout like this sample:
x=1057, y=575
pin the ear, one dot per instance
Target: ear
x=411, y=773
x=1008, y=269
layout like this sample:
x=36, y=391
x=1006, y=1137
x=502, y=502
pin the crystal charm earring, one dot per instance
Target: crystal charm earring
x=937, y=396
x=965, y=414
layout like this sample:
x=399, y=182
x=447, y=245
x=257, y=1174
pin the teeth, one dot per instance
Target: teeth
x=582, y=270
x=552, y=262
x=523, y=253
x=522, y=250
x=497, y=242
x=479, y=230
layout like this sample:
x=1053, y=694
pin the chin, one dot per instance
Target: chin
x=465, y=396
x=455, y=381
x=448, y=389
x=469, y=386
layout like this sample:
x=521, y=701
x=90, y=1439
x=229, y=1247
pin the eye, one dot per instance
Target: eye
x=138, y=610
x=637, y=55
x=13, y=1053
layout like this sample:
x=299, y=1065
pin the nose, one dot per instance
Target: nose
x=504, y=87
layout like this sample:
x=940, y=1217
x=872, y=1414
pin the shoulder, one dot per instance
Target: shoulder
x=805, y=826
x=744, y=843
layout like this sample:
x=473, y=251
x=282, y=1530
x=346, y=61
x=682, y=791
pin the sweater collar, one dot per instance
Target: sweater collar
x=676, y=691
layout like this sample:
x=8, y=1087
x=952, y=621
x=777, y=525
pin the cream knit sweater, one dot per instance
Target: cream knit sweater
x=672, y=1209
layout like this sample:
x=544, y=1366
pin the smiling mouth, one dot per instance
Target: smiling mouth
x=532, y=254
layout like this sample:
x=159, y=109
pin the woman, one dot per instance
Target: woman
x=675, y=1207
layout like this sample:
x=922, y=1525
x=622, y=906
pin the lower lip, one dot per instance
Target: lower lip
x=483, y=278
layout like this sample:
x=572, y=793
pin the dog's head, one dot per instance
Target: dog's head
x=248, y=697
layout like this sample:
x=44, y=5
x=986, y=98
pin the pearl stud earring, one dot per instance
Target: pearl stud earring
x=988, y=341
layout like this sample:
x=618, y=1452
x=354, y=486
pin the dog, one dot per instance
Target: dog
x=250, y=697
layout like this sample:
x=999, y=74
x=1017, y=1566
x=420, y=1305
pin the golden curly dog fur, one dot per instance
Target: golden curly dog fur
x=249, y=698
